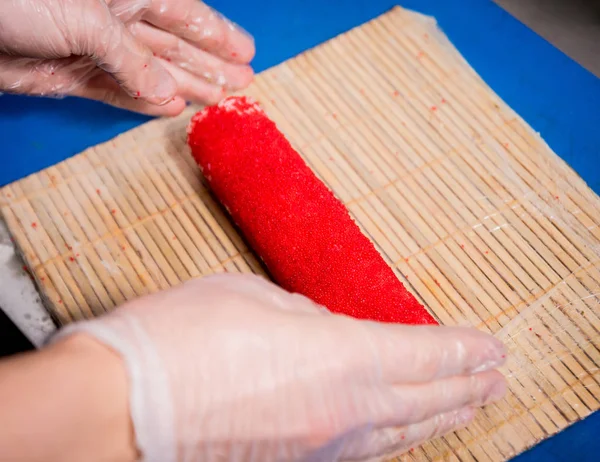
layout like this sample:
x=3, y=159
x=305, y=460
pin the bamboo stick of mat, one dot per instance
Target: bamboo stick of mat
x=473, y=211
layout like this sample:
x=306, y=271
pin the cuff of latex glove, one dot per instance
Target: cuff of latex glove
x=150, y=399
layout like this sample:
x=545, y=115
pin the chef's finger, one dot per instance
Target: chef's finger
x=195, y=89
x=201, y=25
x=413, y=354
x=409, y=404
x=103, y=88
x=106, y=40
x=392, y=442
x=128, y=11
x=173, y=49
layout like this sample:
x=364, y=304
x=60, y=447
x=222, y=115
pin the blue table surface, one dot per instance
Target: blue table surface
x=552, y=93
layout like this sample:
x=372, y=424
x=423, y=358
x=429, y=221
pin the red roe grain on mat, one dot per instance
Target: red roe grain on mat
x=303, y=233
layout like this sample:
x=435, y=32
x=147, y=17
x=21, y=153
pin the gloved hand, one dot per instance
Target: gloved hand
x=144, y=55
x=233, y=368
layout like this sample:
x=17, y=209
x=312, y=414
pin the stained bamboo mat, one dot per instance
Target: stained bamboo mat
x=479, y=218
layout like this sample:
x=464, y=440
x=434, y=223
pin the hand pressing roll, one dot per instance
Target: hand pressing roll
x=231, y=368
x=148, y=56
x=303, y=233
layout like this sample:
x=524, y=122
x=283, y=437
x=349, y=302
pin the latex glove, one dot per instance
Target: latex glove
x=232, y=368
x=144, y=55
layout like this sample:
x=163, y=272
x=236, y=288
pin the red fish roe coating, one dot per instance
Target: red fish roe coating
x=303, y=233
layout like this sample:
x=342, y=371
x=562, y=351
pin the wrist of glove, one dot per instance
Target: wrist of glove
x=233, y=368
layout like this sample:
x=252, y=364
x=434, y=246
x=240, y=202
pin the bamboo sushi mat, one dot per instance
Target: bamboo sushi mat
x=479, y=218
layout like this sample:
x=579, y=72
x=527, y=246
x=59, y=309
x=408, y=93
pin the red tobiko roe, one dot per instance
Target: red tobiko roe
x=302, y=232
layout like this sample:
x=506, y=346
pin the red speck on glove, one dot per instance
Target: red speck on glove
x=303, y=233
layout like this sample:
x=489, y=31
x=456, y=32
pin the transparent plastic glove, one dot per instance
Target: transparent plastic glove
x=232, y=368
x=144, y=55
